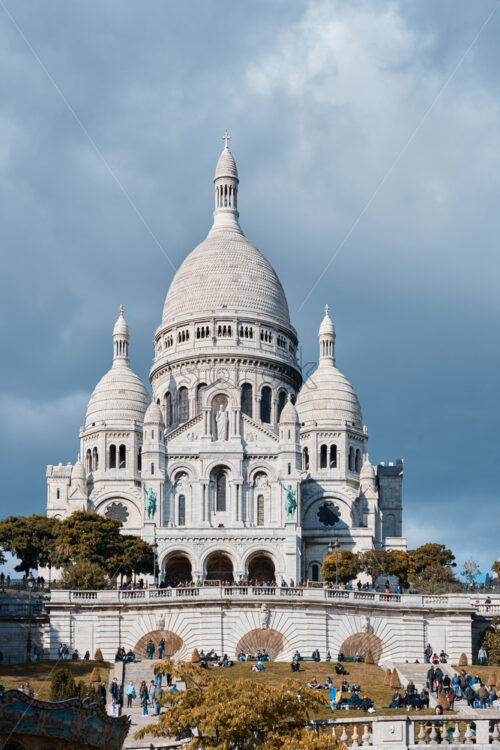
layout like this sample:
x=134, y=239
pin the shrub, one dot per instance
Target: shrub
x=95, y=676
x=395, y=681
x=63, y=686
x=85, y=691
x=443, y=700
x=369, y=658
x=98, y=655
x=462, y=662
x=195, y=657
x=387, y=678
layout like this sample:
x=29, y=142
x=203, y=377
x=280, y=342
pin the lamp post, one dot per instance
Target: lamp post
x=335, y=546
x=30, y=583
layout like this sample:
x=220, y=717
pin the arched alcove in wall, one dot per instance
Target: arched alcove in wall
x=177, y=568
x=219, y=567
x=173, y=644
x=361, y=643
x=261, y=567
x=262, y=638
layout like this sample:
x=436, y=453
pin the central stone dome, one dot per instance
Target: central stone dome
x=226, y=272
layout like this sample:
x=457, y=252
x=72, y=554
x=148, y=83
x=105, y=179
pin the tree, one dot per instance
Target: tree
x=135, y=556
x=430, y=569
x=400, y=566
x=63, y=685
x=471, y=571
x=83, y=574
x=491, y=642
x=302, y=739
x=244, y=714
x=29, y=538
x=88, y=536
x=496, y=568
x=348, y=566
x=376, y=562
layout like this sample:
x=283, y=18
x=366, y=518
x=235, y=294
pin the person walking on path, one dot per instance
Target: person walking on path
x=161, y=648
x=144, y=696
x=150, y=649
x=101, y=692
x=130, y=693
x=157, y=696
x=113, y=689
x=482, y=654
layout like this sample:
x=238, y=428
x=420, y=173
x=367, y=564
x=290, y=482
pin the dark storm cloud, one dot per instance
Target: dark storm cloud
x=320, y=98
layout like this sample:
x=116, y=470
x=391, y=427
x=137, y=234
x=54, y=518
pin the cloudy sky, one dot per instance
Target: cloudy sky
x=367, y=140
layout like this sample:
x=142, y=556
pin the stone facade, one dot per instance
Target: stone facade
x=230, y=428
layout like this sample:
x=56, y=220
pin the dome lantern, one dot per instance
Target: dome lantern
x=121, y=339
x=226, y=189
x=326, y=336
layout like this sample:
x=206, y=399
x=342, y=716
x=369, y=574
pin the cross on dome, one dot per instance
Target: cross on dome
x=122, y=310
x=226, y=137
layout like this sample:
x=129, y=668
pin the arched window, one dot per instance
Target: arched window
x=89, y=461
x=95, y=460
x=58, y=494
x=182, y=510
x=323, y=457
x=265, y=405
x=183, y=405
x=315, y=572
x=246, y=399
x=122, y=457
x=199, y=396
x=139, y=459
x=260, y=510
x=389, y=525
x=289, y=469
x=220, y=488
x=357, y=465
x=333, y=457
x=112, y=456
x=152, y=469
x=305, y=459
x=281, y=402
x=351, y=459
x=167, y=400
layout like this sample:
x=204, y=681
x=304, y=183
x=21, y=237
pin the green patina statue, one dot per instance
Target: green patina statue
x=150, y=502
x=290, y=502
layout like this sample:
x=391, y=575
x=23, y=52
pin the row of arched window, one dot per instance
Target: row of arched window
x=354, y=461
x=266, y=335
x=92, y=460
x=121, y=348
x=246, y=332
x=224, y=331
x=202, y=332
x=225, y=196
x=117, y=457
x=246, y=403
x=183, y=336
x=281, y=341
x=328, y=458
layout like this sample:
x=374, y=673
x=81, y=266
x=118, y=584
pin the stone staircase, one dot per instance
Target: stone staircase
x=137, y=672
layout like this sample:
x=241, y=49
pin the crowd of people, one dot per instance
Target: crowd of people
x=122, y=655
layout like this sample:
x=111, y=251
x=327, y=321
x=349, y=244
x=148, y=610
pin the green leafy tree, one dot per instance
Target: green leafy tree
x=431, y=555
x=471, y=571
x=63, y=685
x=376, y=562
x=348, y=566
x=496, y=568
x=135, y=556
x=491, y=642
x=400, y=566
x=89, y=536
x=32, y=539
x=436, y=581
x=83, y=574
x=242, y=714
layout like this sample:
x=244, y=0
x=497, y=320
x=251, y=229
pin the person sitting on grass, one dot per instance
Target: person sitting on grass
x=242, y=656
x=424, y=697
x=355, y=700
x=315, y=655
x=295, y=666
x=357, y=657
x=328, y=683
x=340, y=669
x=344, y=686
x=366, y=704
x=397, y=700
x=313, y=684
x=260, y=666
x=355, y=688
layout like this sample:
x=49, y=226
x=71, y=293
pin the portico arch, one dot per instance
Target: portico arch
x=219, y=566
x=361, y=643
x=260, y=566
x=177, y=567
x=262, y=638
x=173, y=644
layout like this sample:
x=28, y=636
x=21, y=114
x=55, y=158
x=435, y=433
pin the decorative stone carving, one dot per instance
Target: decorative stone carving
x=265, y=616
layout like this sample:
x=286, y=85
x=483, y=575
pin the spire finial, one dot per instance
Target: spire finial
x=122, y=310
x=226, y=137
x=327, y=310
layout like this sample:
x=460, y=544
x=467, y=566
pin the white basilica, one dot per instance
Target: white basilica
x=231, y=431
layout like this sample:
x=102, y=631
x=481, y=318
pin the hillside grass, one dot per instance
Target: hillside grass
x=39, y=674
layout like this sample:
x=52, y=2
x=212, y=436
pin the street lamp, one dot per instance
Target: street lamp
x=30, y=583
x=335, y=546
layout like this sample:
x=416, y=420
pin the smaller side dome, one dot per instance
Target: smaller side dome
x=326, y=328
x=226, y=166
x=121, y=327
x=289, y=412
x=153, y=414
x=78, y=470
x=367, y=473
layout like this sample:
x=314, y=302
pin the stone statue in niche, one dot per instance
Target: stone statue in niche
x=265, y=615
x=366, y=627
x=221, y=423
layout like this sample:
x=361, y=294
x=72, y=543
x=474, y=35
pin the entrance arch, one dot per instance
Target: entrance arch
x=262, y=638
x=361, y=643
x=173, y=644
x=177, y=568
x=261, y=567
x=219, y=567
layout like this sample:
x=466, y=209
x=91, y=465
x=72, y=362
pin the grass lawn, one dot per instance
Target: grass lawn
x=483, y=672
x=39, y=674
